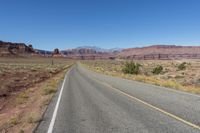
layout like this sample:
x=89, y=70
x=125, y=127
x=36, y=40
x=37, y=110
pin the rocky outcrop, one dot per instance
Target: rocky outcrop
x=56, y=53
x=21, y=49
x=161, y=52
x=11, y=49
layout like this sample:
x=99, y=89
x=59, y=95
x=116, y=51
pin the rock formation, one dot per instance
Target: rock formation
x=161, y=52
x=56, y=51
x=10, y=49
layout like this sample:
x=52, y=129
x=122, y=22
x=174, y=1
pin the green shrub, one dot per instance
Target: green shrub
x=157, y=70
x=131, y=68
x=182, y=66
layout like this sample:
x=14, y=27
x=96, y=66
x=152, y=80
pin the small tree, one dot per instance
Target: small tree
x=158, y=69
x=182, y=66
x=131, y=68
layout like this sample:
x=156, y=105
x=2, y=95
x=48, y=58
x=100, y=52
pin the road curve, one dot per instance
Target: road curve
x=96, y=103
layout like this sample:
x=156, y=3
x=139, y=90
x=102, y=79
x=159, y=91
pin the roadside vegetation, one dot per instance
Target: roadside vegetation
x=182, y=66
x=131, y=68
x=158, y=69
x=178, y=74
x=27, y=87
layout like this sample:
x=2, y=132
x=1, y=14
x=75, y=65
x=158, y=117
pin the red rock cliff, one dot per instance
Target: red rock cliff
x=9, y=49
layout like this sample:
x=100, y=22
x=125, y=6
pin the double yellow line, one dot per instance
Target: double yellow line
x=150, y=105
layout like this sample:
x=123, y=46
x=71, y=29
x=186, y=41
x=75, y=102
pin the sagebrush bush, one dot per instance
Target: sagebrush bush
x=182, y=66
x=158, y=69
x=131, y=68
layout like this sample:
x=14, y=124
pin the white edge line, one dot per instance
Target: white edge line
x=150, y=105
x=51, y=125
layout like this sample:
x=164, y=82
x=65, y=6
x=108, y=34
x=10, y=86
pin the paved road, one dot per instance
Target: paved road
x=95, y=103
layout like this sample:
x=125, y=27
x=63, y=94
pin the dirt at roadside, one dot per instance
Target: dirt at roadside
x=26, y=88
x=23, y=109
x=13, y=82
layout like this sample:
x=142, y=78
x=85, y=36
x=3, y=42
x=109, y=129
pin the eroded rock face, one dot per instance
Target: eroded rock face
x=161, y=52
x=9, y=49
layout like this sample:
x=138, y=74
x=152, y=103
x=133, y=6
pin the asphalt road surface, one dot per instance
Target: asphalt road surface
x=89, y=102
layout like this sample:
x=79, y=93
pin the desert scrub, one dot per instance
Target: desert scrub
x=171, y=77
x=158, y=69
x=33, y=118
x=23, y=90
x=21, y=131
x=14, y=121
x=131, y=68
x=49, y=90
x=46, y=101
x=182, y=66
x=172, y=84
x=51, y=87
x=22, y=97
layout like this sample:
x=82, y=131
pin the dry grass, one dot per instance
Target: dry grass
x=34, y=118
x=171, y=76
x=27, y=87
x=20, y=73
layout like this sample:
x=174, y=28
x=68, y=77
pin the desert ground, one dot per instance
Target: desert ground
x=28, y=84
x=26, y=87
x=186, y=78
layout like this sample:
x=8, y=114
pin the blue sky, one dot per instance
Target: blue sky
x=49, y=24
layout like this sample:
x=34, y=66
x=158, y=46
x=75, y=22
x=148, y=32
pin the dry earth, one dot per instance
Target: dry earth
x=26, y=87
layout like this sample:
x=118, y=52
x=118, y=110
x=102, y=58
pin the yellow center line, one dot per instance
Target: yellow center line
x=150, y=105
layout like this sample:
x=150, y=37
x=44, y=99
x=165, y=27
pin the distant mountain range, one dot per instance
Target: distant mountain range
x=92, y=52
x=98, y=49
